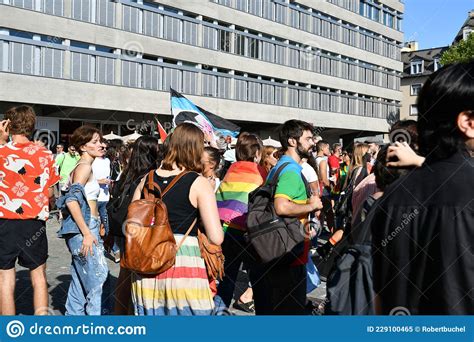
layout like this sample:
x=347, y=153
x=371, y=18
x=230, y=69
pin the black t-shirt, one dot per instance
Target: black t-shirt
x=181, y=212
x=423, y=233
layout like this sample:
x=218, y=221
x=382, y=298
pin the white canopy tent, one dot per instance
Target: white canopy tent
x=271, y=142
x=131, y=137
x=112, y=136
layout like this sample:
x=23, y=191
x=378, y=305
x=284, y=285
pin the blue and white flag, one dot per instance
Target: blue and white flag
x=184, y=110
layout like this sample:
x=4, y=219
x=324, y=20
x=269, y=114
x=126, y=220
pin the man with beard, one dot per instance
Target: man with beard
x=281, y=289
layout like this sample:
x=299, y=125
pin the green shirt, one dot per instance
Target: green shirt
x=66, y=164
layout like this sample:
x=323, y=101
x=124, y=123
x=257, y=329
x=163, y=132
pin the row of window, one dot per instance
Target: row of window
x=216, y=37
x=373, y=10
x=417, y=66
x=53, y=7
x=137, y=19
x=317, y=23
x=47, y=59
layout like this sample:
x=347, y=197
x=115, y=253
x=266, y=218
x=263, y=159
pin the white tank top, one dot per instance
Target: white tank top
x=92, y=187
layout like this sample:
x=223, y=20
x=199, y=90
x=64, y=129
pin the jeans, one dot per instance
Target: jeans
x=102, y=207
x=89, y=273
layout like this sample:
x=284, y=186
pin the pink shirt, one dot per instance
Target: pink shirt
x=363, y=191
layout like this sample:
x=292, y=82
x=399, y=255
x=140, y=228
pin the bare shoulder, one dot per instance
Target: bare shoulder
x=201, y=183
x=82, y=173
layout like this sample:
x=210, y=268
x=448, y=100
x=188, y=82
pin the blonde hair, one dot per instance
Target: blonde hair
x=267, y=152
x=358, y=157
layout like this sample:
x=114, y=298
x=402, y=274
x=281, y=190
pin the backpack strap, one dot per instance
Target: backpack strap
x=174, y=181
x=150, y=186
x=274, y=180
x=187, y=233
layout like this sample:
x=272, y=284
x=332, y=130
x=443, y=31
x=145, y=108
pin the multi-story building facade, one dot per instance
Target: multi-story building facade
x=418, y=65
x=335, y=63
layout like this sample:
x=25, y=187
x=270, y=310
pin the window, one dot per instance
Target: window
x=436, y=64
x=362, y=8
x=466, y=32
x=224, y=40
x=415, y=89
x=239, y=44
x=416, y=67
x=413, y=110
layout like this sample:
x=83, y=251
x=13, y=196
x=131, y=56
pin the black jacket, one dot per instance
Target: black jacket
x=423, y=233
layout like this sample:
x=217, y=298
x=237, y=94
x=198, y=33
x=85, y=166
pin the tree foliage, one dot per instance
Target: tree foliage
x=463, y=51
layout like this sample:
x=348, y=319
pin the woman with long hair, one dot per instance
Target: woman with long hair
x=145, y=156
x=184, y=288
x=212, y=166
x=269, y=158
x=80, y=227
x=358, y=167
x=243, y=177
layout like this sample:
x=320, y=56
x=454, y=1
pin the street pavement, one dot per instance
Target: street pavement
x=58, y=276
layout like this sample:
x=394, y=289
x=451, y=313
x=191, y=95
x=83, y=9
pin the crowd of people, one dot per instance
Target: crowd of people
x=391, y=225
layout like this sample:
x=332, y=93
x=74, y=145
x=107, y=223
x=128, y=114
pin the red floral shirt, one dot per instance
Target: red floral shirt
x=26, y=172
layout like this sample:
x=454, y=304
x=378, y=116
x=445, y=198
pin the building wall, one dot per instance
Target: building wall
x=408, y=98
x=112, y=54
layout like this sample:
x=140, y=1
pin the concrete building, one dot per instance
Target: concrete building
x=335, y=63
x=417, y=66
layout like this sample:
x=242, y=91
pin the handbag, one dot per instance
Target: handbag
x=213, y=257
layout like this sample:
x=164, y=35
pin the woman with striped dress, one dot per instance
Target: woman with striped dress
x=184, y=288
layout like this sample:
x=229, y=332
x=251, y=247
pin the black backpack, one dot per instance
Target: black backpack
x=117, y=208
x=272, y=238
x=350, y=283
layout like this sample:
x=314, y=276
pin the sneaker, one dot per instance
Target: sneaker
x=248, y=307
x=116, y=256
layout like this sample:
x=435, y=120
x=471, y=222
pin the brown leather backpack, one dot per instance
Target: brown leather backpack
x=150, y=247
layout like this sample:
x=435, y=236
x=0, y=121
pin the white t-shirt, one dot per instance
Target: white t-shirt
x=309, y=173
x=320, y=159
x=101, y=170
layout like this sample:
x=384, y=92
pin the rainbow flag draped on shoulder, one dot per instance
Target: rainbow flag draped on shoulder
x=233, y=193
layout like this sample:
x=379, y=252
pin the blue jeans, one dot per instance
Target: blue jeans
x=102, y=207
x=89, y=273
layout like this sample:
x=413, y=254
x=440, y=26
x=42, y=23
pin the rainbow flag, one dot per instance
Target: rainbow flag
x=233, y=193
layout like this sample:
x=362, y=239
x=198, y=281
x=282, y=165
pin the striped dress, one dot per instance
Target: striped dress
x=182, y=290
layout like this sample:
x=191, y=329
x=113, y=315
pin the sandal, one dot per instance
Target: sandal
x=246, y=307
